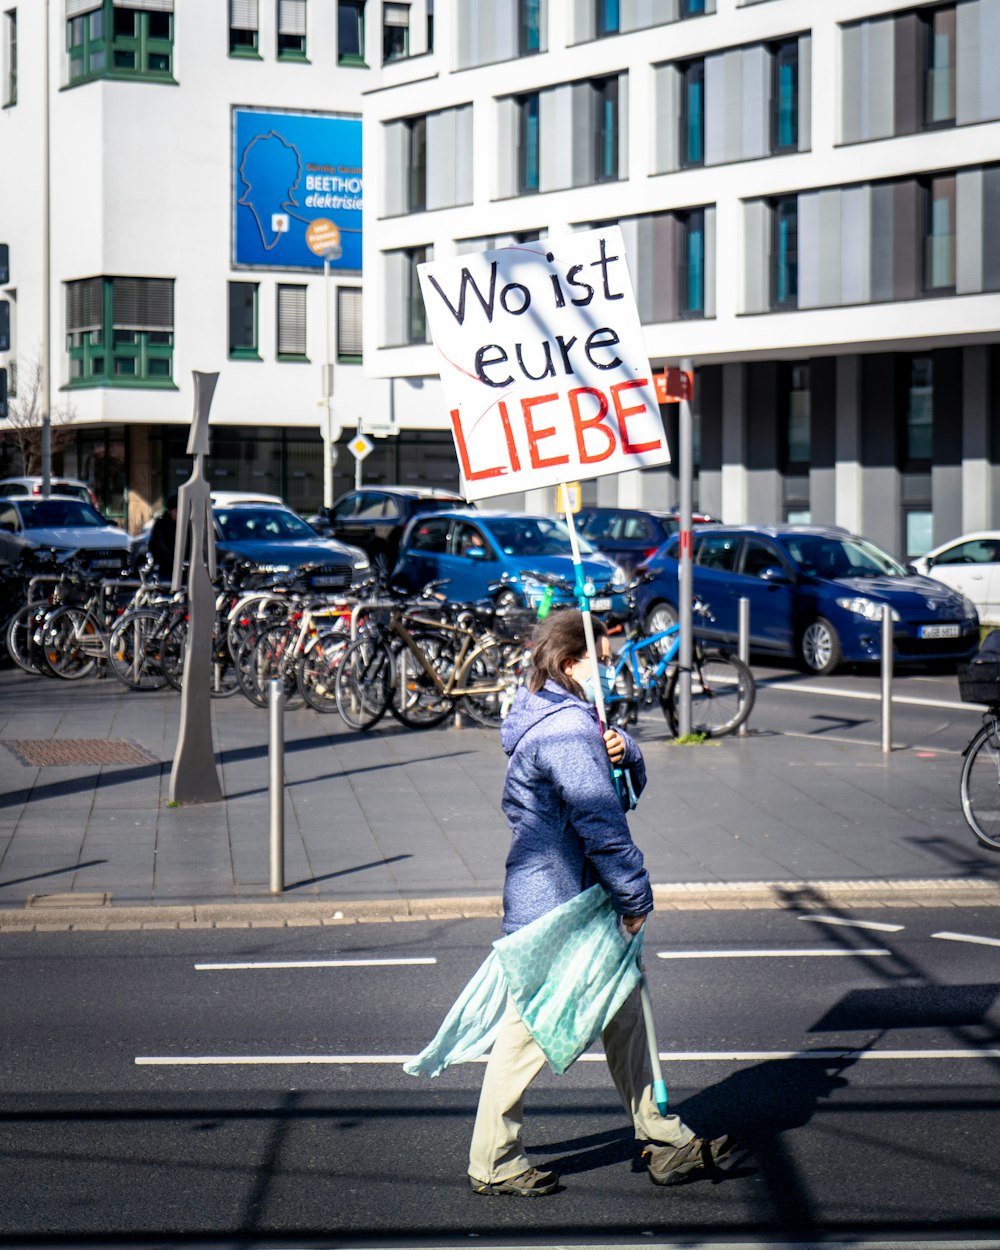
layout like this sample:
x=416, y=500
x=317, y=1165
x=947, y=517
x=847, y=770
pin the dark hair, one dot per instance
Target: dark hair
x=171, y=502
x=559, y=638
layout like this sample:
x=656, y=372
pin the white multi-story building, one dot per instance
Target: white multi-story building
x=192, y=143
x=810, y=197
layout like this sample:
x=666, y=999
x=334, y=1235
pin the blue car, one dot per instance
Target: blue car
x=815, y=593
x=486, y=554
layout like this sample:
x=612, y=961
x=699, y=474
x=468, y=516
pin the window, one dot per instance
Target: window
x=939, y=66
x=243, y=28
x=919, y=416
x=416, y=317
x=691, y=278
x=608, y=18
x=919, y=526
x=107, y=39
x=291, y=30
x=430, y=25
x=527, y=142
x=785, y=97
x=939, y=234
x=758, y=556
x=785, y=253
x=692, y=114
x=798, y=416
x=291, y=322
x=529, y=27
x=718, y=551
x=349, y=340
x=243, y=321
x=416, y=163
x=431, y=535
x=10, y=92
x=120, y=331
x=606, y=129
x=978, y=551
x=351, y=32
x=693, y=8
x=395, y=31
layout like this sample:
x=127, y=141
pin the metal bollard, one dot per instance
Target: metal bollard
x=276, y=782
x=886, y=679
x=743, y=647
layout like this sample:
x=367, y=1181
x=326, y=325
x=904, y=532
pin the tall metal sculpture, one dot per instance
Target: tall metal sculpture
x=194, y=778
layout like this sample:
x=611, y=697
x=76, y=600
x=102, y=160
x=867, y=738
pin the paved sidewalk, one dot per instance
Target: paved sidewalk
x=375, y=821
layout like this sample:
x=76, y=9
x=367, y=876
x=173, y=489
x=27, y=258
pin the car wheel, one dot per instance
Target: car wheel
x=819, y=647
x=660, y=616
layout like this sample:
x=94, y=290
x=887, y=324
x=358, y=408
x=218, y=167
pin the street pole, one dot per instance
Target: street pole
x=46, y=259
x=685, y=584
x=327, y=394
x=358, y=459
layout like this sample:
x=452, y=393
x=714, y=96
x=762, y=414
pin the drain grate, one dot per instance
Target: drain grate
x=39, y=752
x=68, y=900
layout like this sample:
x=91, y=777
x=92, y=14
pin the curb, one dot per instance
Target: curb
x=695, y=896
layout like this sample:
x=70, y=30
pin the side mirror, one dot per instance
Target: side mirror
x=8, y=526
x=912, y=568
x=776, y=576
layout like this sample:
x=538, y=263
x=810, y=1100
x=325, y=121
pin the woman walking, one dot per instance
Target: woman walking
x=568, y=833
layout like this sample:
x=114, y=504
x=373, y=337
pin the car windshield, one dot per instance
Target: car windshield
x=46, y=514
x=260, y=524
x=822, y=556
x=535, y=536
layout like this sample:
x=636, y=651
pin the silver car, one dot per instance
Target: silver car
x=65, y=524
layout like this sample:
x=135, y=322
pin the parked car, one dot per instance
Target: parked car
x=815, y=593
x=477, y=550
x=970, y=565
x=64, y=523
x=630, y=535
x=11, y=487
x=374, y=518
x=276, y=540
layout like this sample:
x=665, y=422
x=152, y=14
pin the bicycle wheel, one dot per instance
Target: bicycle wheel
x=416, y=700
x=486, y=667
x=363, y=685
x=722, y=695
x=264, y=656
x=21, y=636
x=69, y=638
x=621, y=707
x=253, y=616
x=980, y=786
x=135, y=649
x=317, y=671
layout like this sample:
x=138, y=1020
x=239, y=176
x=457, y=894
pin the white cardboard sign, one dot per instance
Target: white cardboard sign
x=543, y=365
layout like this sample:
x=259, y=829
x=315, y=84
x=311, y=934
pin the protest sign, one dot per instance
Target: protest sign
x=543, y=366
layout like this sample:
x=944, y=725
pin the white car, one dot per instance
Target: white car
x=971, y=565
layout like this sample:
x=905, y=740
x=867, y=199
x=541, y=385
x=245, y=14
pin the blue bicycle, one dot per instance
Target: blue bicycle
x=646, y=672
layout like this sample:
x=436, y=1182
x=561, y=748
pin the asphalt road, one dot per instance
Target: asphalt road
x=859, y=1065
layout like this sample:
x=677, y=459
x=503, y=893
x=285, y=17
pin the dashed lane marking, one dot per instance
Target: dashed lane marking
x=967, y=937
x=685, y=1056
x=316, y=963
x=806, y=952
x=870, y=697
x=855, y=924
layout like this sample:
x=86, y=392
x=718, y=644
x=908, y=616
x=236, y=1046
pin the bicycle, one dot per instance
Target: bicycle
x=722, y=687
x=980, y=783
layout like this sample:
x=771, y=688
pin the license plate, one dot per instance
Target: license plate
x=600, y=605
x=105, y=564
x=321, y=582
x=938, y=631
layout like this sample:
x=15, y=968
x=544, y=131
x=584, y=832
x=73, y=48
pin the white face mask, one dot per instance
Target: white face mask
x=606, y=676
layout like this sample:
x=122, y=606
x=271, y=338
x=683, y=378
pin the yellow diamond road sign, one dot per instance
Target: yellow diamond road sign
x=359, y=446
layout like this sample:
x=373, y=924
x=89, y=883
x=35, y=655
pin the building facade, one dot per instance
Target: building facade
x=171, y=232
x=809, y=195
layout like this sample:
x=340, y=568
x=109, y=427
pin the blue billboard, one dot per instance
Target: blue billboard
x=290, y=170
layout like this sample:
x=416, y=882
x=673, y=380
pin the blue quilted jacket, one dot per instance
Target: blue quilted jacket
x=568, y=829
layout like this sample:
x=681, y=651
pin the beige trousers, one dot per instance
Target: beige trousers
x=497, y=1154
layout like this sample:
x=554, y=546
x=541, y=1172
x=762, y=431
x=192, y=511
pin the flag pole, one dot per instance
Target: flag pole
x=583, y=600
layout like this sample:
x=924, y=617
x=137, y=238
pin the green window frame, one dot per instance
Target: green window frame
x=112, y=40
x=120, y=332
x=291, y=30
x=244, y=29
x=291, y=322
x=351, y=33
x=244, y=342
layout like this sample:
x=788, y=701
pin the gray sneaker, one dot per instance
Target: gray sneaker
x=530, y=1184
x=670, y=1165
